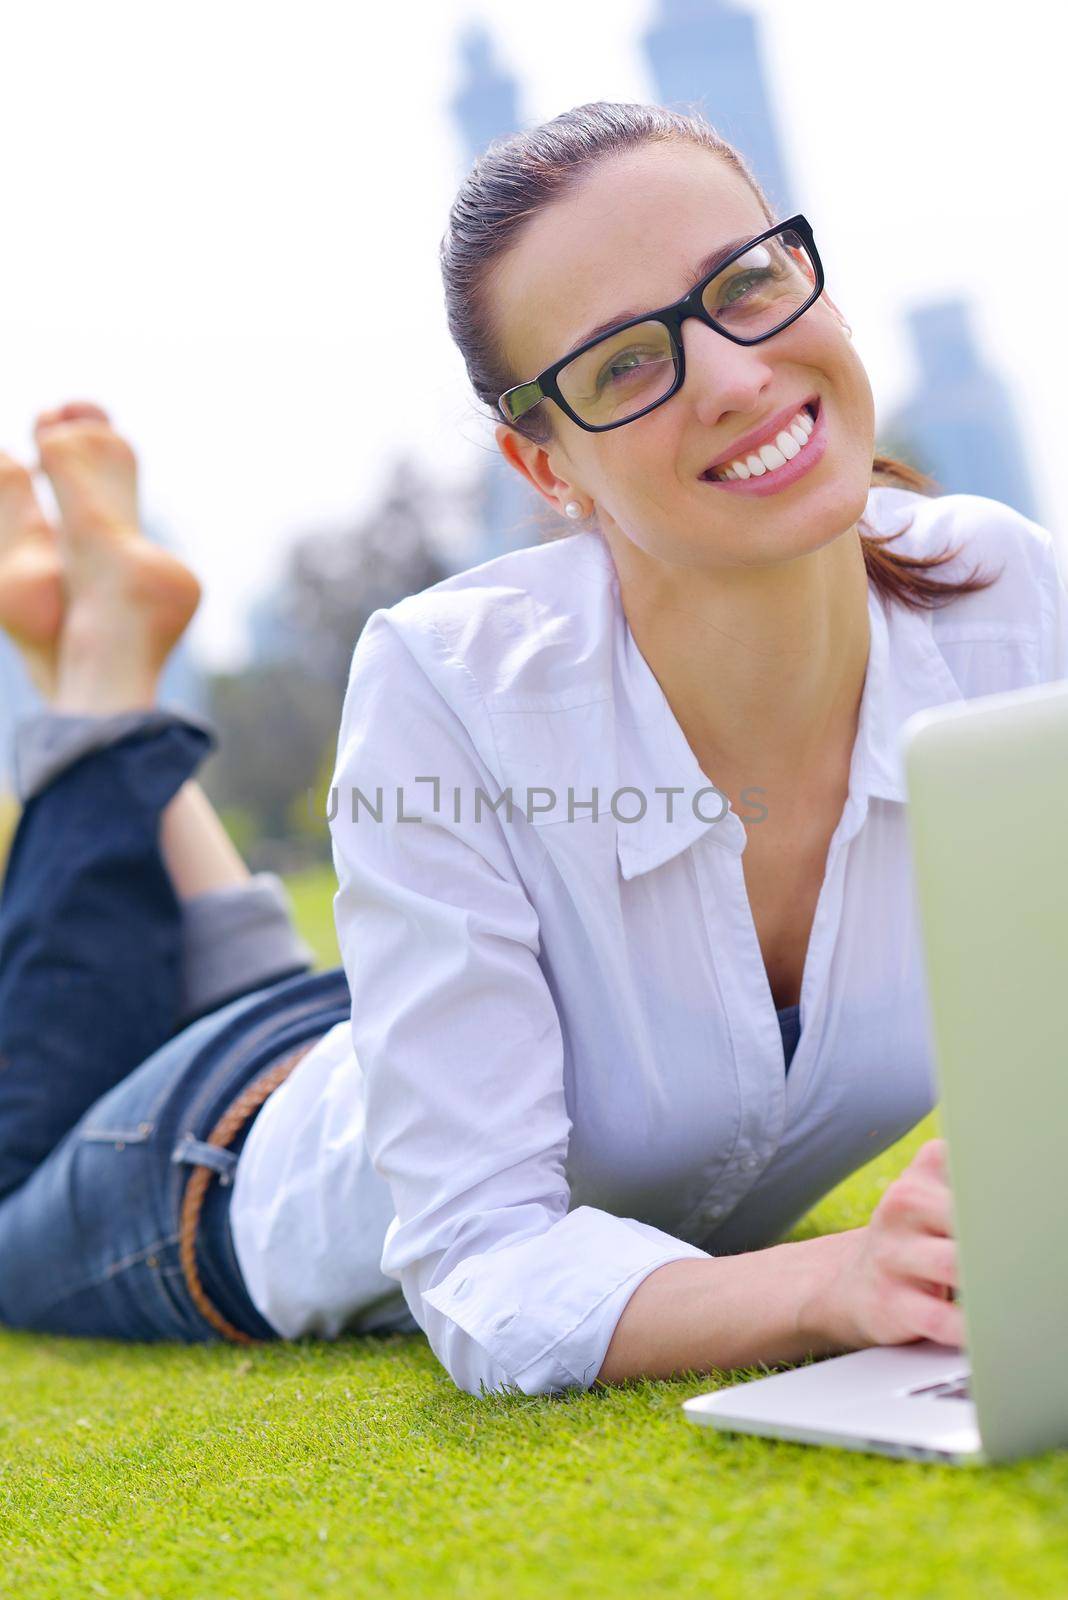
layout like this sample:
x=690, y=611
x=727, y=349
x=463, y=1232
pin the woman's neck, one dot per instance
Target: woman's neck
x=764, y=668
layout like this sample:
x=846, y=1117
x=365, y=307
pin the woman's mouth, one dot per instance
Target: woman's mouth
x=780, y=462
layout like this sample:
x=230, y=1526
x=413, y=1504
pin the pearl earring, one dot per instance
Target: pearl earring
x=573, y=510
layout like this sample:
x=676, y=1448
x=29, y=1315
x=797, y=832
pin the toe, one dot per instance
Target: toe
x=10, y=470
x=20, y=509
x=86, y=440
x=93, y=474
x=73, y=411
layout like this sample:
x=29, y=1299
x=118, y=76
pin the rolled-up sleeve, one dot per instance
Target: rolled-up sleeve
x=459, y=1040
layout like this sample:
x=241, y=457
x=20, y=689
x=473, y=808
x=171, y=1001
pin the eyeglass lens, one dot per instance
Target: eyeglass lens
x=755, y=294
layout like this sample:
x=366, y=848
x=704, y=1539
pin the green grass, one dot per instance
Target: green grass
x=357, y=1468
x=312, y=894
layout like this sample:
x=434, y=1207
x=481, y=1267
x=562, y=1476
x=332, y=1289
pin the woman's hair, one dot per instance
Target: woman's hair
x=512, y=182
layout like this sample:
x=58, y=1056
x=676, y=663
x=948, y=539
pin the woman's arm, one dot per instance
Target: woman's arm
x=884, y=1283
x=729, y=1311
x=458, y=1038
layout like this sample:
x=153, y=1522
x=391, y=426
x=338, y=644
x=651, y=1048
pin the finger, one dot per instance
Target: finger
x=932, y=1207
x=932, y=1157
x=916, y=1203
x=932, y=1317
x=929, y=1258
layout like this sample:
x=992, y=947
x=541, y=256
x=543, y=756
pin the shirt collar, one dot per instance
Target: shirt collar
x=906, y=673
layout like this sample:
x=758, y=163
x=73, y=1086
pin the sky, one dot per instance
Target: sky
x=221, y=222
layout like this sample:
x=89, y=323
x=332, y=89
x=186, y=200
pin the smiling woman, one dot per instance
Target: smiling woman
x=566, y=1022
x=591, y=1057
x=518, y=181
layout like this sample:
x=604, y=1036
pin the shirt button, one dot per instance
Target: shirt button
x=750, y=1163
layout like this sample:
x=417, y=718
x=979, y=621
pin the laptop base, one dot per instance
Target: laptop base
x=860, y=1401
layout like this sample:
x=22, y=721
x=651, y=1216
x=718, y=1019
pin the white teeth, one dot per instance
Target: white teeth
x=789, y=443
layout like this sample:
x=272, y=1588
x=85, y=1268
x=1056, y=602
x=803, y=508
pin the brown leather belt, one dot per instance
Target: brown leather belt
x=225, y=1131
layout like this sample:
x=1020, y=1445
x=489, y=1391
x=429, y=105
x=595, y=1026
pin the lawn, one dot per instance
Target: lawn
x=358, y=1469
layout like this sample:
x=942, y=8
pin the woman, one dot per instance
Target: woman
x=615, y=820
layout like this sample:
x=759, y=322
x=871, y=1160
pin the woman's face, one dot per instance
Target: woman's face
x=627, y=240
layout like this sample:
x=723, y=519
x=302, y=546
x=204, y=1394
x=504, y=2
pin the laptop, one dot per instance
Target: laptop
x=987, y=783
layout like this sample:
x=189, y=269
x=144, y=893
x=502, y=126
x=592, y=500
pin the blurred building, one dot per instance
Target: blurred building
x=959, y=424
x=706, y=55
x=486, y=107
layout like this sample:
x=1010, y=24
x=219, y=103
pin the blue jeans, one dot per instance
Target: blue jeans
x=105, y=1098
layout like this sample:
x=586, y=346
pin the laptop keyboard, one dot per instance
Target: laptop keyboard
x=950, y=1389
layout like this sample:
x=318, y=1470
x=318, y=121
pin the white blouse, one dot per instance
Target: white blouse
x=564, y=1066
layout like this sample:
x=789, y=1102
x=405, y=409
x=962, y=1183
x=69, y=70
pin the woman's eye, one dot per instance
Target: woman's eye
x=626, y=363
x=743, y=281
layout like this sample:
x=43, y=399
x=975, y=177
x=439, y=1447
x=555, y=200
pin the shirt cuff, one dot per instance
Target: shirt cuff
x=543, y=1310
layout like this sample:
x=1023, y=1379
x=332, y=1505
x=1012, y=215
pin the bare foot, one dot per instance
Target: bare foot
x=128, y=600
x=31, y=575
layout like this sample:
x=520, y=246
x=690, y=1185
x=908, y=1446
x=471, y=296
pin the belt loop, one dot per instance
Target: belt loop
x=190, y=1152
x=211, y=1157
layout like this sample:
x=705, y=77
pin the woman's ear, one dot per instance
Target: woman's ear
x=531, y=460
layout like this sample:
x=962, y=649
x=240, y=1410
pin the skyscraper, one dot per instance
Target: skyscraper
x=706, y=54
x=959, y=423
x=486, y=107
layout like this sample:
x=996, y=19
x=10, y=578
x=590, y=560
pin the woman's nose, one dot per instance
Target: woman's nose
x=723, y=376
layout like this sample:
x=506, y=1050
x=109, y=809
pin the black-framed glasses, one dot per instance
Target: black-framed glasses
x=618, y=376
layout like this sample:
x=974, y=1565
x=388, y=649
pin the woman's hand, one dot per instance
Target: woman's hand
x=892, y=1280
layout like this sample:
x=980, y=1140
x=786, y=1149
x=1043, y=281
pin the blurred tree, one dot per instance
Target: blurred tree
x=335, y=580
x=274, y=721
x=307, y=816
x=278, y=719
